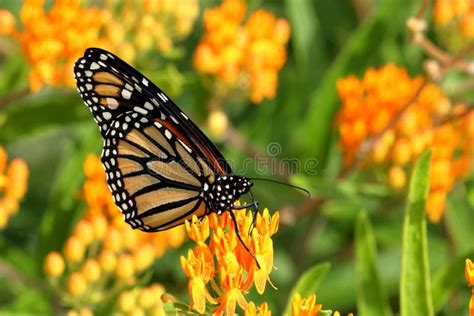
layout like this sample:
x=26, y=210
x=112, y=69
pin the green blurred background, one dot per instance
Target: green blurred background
x=53, y=131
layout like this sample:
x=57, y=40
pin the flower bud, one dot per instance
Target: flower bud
x=54, y=264
x=127, y=301
x=91, y=270
x=125, y=269
x=107, y=260
x=77, y=284
x=74, y=249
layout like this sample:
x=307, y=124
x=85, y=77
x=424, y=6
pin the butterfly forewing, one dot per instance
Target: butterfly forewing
x=141, y=95
x=156, y=160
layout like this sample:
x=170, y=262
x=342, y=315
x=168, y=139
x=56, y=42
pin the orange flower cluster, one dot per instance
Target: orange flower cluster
x=371, y=103
x=459, y=13
x=233, y=271
x=251, y=53
x=148, y=24
x=469, y=270
x=103, y=253
x=305, y=306
x=13, y=183
x=52, y=40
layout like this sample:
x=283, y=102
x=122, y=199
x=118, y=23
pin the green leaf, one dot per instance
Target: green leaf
x=307, y=40
x=447, y=279
x=371, y=298
x=178, y=309
x=415, y=287
x=459, y=217
x=308, y=283
x=61, y=212
x=39, y=112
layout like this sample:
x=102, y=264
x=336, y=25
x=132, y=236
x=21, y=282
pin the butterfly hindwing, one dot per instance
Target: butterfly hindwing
x=151, y=182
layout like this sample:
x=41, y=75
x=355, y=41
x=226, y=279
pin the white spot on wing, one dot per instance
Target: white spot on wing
x=163, y=97
x=148, y=105
x=185, y=146
x=126, y=94
x=145, y=82
x=94, y=66
x=140, y=110
x=113, y=104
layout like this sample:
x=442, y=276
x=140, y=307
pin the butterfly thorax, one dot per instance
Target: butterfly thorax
x=221, y=195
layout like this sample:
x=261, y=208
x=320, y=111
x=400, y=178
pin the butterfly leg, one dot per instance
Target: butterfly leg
x=234, y=220
x=254, y=206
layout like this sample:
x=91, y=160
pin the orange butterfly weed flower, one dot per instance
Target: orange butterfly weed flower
x=223, y=266
x=261, y=310
x=104, y=253
x=459, y=13
x=369, y=104
x=251, y=52
x=13, y=184
x=305, y=306
x=52, y=40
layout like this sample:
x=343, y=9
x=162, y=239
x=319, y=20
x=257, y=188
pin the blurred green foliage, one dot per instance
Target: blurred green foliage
x=53, y=131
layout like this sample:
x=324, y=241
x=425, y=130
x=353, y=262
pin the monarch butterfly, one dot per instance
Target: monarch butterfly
x=160, y=167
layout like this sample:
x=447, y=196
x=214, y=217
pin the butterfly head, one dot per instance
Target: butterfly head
x=225, y=190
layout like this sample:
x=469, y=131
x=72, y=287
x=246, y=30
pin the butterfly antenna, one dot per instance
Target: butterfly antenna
x=234, y=220
x=285, y=184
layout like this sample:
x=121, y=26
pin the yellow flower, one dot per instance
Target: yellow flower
x=232, y=283
x=77, y=284
x=305, y=306
x=7, y=22
x=150, y=24
x=234, y=271
x=54, y=264
x=262, y=310
x=13, y=184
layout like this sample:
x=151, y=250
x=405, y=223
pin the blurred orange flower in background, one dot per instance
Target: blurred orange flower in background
x=103, y=253
x=250, y=53
x=53, y=39
x=234, y=272
x=147, y=25
x=459, y=13
x=371, y=103
x=13, y=184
